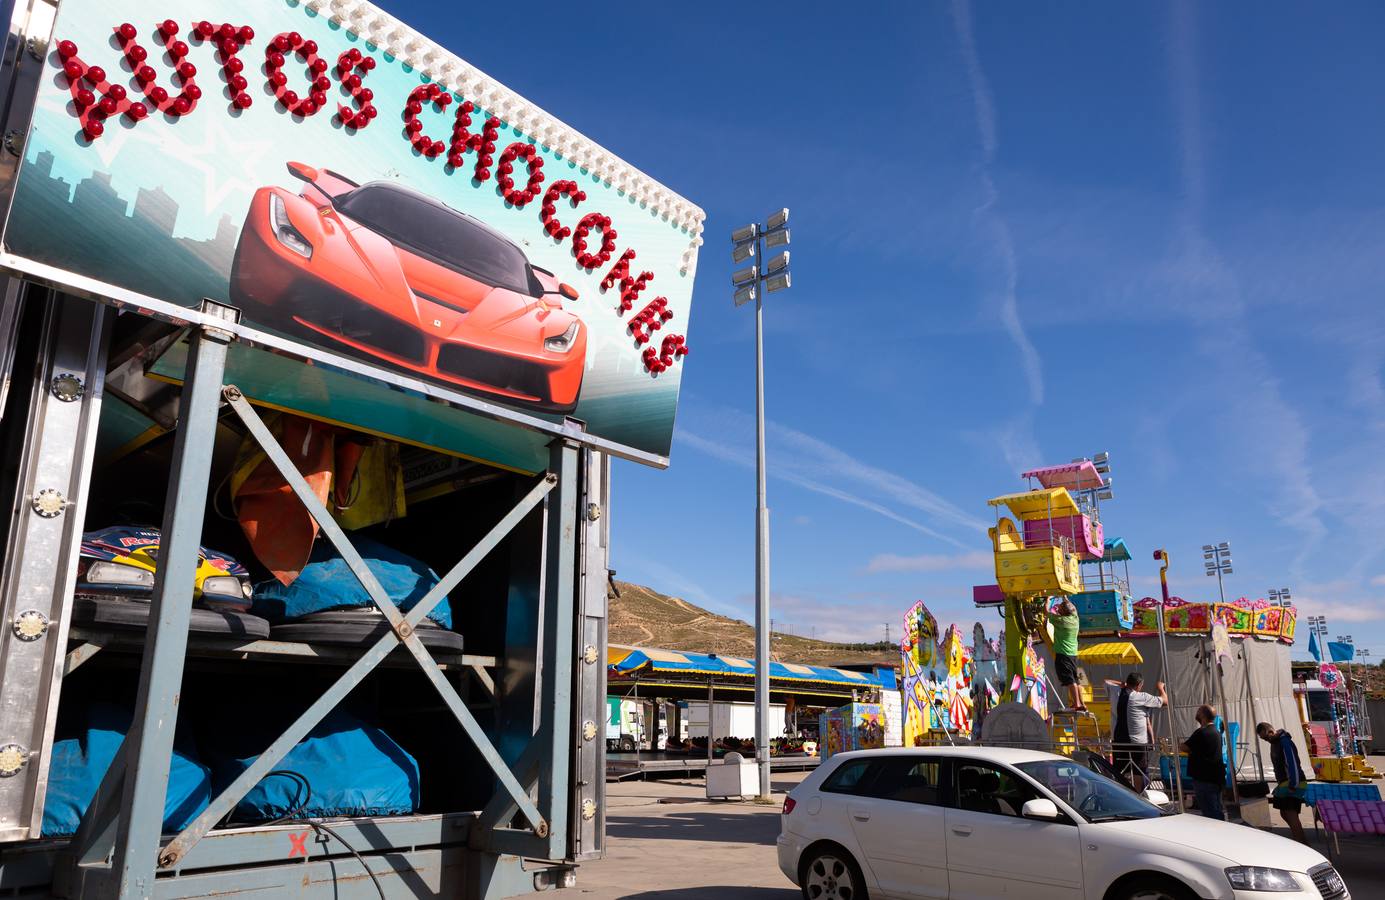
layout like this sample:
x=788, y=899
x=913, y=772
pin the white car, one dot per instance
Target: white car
x=975, y=823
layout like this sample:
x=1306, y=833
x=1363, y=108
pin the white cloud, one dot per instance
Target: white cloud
x=1378, y=581
x=818, y=466
x=928, y=562
x=1002, y=238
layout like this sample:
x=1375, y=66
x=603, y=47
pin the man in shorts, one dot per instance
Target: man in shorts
x=1065, y=624
x=1134, y=733
x=1292, y=785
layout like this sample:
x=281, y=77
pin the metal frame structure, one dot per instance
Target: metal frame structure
x=549, y=805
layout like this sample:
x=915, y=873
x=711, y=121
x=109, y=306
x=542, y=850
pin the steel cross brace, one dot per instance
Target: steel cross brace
x=403, y=631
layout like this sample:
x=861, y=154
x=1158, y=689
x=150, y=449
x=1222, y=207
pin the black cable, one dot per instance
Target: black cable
x=318, y=826
x=288, y=818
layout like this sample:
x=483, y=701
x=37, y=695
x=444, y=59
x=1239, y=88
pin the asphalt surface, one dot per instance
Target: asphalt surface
x=665, y=841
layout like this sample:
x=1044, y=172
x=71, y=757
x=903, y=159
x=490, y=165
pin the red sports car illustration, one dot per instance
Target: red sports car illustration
x=384, y=271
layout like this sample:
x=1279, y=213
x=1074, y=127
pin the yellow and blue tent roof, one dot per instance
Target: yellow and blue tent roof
x=1054, y=502
x=632, y=660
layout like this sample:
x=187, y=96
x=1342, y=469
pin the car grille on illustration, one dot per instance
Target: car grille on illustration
x=1327, y=881
x=368, y=326
x=487, y=368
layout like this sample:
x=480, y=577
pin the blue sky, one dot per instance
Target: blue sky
x=1022, y=233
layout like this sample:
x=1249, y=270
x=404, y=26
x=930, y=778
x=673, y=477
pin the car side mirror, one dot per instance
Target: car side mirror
x=567, y=291
x=1040, y=808
x=1158, y=798
x=302, y=171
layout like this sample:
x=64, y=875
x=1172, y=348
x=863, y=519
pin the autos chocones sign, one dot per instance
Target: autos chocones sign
x=349, y=185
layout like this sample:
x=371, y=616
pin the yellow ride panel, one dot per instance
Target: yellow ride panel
x=1054, y=503
x=1040, y=570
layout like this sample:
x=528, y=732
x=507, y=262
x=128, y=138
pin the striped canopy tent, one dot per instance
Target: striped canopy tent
x=1075, y=476
x=1116, y=551
x=685, y=669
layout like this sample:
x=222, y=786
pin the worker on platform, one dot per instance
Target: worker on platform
x=1133, y=732
x=1206, y=766
x=1292, y=787
x=1065, y=624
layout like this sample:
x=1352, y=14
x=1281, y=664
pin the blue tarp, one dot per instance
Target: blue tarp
x=687, y=663
x=327, y=582
x=79, y=764
x=344, y=767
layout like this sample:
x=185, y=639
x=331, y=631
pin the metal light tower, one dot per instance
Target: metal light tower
x=1347, y=639
x=1280, y=596
x=750, y=243
x=1216, y=560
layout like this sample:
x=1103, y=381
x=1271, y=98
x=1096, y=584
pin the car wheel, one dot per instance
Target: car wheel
x=831, y=874
x=1154, y=887
x=627, y=745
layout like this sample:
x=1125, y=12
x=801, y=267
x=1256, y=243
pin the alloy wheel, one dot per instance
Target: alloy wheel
x=829, y=878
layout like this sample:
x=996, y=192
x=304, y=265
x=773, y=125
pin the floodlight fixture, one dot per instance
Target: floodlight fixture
x=1207, y=548
x=746, y=275
x=777, y=264
x=1104, y=495
x=748, y=233
x=778, y=220
x=777, y=283
x=1224, y=547
x=745, y=295
x=778, y=238
x=743, y=252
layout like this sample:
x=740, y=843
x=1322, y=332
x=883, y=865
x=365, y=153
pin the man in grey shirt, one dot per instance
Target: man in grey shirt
x=1134, y=735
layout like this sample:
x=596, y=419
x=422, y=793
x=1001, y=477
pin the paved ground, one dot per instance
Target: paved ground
x=666, y=842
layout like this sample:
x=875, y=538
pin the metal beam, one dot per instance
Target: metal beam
x=148, y=748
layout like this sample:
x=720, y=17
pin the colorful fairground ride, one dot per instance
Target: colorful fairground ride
x=1056, y=544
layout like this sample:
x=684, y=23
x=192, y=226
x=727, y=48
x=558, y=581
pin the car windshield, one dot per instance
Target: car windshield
x=1096, y=797
x=442, y=235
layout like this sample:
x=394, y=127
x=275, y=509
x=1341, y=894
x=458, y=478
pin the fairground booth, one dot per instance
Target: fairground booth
x=317, y=344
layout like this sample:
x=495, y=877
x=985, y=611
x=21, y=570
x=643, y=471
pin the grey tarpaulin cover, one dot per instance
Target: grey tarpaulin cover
x=1193, y=684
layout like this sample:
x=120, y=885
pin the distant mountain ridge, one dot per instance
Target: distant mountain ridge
x=639, y=616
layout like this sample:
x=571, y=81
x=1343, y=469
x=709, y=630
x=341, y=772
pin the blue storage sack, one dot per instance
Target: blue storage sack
x=80, y=763
x=327, y=582
x=344, y=767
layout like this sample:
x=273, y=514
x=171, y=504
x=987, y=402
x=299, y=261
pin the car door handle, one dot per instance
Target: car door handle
x=961, y=831
x=861, y=817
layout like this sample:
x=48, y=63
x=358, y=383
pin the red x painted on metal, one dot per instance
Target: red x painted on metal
x=298, y=844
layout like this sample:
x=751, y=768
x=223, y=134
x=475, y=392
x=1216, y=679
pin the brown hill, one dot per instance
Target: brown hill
x=642, y=617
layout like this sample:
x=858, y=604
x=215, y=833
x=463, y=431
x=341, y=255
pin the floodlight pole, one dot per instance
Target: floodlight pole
x=758, y=280
x=762, y=636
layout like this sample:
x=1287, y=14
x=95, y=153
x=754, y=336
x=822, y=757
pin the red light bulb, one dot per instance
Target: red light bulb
x=67, y=49
x=182, y=106
x=368, y=63
x=246, y=34
x=275, y=59
x=205, y=29
x=169, y=27
x=295, y=39
x=137, y=111
x=278, y=79
x=95, y=75
x=193, y=92
x=319, y=98
x=235, y=64
x=146, y=73
x=158, y=94
x=186, y=71
x=137, y=53
x=281, y=43
x=369, y=112
x=116, y=93
x=365, y=95
x=289, y=98
x=242, y=100
x=85, y=98
x=227, y=31
x=93, y=130
x=127, y=32
x=179, y=49
x=317, y=66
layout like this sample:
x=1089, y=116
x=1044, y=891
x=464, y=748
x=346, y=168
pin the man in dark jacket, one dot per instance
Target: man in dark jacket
x=1292, y=785
x=1206, y=766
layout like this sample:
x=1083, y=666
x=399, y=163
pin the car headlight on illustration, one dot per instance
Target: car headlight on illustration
x=117, y=573
x=1258, y=878
x=563, y=342
x=289, y=236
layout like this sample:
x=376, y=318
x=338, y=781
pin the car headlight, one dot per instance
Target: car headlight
x=223, y=586
x=1258, y=878
x=563, y=342
x=288, y=235
x=104, y=572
